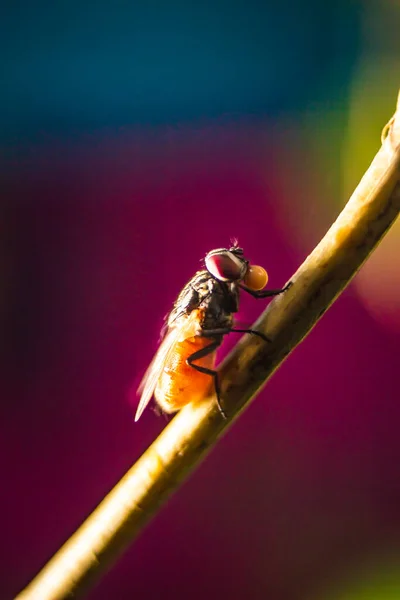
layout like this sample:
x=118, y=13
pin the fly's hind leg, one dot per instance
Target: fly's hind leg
x=211, y=372
x=159, y=412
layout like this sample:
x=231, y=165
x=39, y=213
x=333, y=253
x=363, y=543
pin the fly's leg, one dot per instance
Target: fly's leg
x=253, y=332
x=201, y=354
x=213, y=346
x=225, y=330
x=160, y=413
x=264, y=293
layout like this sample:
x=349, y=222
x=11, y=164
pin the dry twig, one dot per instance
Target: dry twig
x=359, y=228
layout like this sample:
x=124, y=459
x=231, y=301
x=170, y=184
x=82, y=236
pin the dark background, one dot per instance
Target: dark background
x=135, y=137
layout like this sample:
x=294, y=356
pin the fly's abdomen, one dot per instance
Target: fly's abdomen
x=179, y=383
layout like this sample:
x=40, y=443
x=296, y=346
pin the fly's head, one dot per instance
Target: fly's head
x=227, y=265
x=230, y=266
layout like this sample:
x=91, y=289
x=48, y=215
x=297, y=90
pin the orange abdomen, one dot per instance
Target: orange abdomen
x=179, y=383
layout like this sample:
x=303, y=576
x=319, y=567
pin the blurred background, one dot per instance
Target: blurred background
x=135, y=137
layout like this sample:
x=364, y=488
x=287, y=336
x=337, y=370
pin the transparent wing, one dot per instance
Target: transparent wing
x=184, y=328
x=150, y=378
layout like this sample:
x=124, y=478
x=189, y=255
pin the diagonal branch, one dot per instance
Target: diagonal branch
x=366, y=218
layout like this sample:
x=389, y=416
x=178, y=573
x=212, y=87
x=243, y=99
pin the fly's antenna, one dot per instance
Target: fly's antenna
x=235, y=248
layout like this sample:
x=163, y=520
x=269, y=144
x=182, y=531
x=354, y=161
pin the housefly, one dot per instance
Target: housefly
x=183, y=367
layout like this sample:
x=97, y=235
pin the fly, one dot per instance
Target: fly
x=183, y=367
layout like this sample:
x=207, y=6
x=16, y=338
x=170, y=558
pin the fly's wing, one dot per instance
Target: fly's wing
x=184, y=328
x=150, y=378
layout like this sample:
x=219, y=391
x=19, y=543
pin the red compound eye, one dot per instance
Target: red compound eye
x=225, y=266
x=256, y=277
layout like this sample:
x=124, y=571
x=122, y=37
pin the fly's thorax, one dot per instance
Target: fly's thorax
x=190, y=297
x=219, y=304
x=216, y=300
x=219, y=320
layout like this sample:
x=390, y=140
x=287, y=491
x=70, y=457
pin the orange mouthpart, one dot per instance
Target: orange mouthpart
x=256, y=277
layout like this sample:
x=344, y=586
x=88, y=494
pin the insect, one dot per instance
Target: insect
x=183, y=367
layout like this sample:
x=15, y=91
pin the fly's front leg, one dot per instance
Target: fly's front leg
x=264, y=293
x=211, y=372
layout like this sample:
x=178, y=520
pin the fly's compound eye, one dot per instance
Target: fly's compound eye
x=256, y=277
x=225, y=266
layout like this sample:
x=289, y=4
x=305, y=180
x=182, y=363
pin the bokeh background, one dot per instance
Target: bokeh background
x=134, y=138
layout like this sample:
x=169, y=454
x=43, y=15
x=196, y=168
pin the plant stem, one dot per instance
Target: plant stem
x=120, y=517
